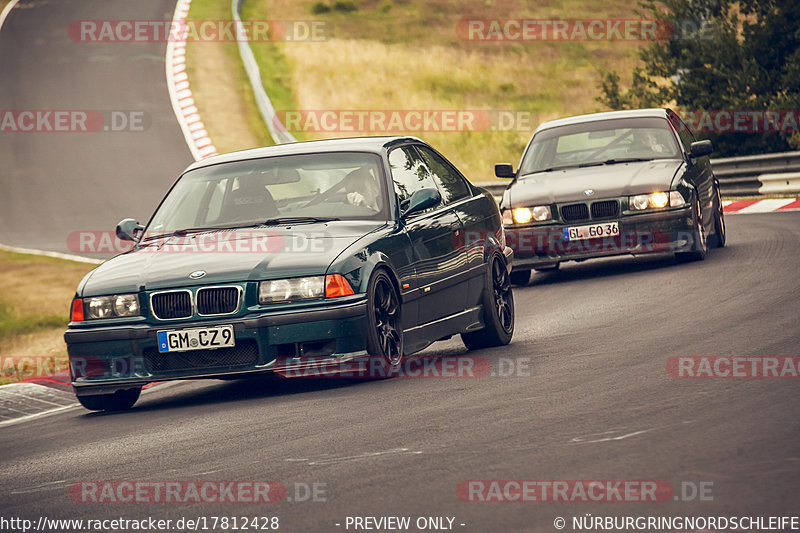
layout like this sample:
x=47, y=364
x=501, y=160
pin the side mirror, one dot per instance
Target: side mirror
x=700, y=148
x=504, y=170
x=129, y=230
x=421, y=200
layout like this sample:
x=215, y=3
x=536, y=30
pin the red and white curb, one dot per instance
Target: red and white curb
x=760, y=206
x=181, y=95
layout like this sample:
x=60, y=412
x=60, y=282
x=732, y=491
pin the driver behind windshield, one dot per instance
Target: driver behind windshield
x=362, y=189
x=644, y=141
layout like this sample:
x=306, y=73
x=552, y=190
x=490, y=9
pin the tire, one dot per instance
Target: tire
x=120, y=400
x=498, y=309
x=699, y=243
x=520, y=277
x=551, y=268
x=720, y=234
x=384, y=325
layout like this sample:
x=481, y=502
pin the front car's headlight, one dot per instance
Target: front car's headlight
x=298, y=289
x=291, y=289
x=656, y=200
x=116, y=306
x=524, y=215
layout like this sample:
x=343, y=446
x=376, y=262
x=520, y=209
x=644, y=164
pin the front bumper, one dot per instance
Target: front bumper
x=650, y=232
x=110, y=358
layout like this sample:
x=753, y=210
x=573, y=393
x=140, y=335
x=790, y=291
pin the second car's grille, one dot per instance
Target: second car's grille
x=575, y=212
x=217, y=300
x=244, y=353
x=605, y=208
x=174, y=304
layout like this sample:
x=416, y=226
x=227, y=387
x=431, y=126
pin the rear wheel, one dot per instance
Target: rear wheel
x=699, y=244
x=116, y=401
x=498, y=309
x=385, y=332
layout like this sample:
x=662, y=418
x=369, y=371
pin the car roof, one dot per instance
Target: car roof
x=351, y=144
x=607, y=115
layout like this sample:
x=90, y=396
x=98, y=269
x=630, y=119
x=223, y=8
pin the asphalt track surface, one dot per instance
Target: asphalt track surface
x=596, y=403
x=56, y=183
x=591, y=398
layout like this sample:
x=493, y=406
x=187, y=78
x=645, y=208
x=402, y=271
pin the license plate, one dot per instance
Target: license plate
x=182, y=340
x=592, y=231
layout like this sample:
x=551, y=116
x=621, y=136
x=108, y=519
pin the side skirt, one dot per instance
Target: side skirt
x=422, y=336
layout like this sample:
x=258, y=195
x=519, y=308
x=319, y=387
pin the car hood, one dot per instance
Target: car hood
x=568, y=185
x=227, y=256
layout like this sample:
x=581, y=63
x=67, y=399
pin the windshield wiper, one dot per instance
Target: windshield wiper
x=576, y=165
x=551, y=169
x=297, y=220
x=186, y=231
x=627, y=160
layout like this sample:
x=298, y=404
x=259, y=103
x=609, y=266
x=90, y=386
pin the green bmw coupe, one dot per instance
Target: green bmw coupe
x=302, y=254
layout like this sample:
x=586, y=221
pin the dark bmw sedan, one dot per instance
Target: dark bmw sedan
x=295, y=255
x=622, y=182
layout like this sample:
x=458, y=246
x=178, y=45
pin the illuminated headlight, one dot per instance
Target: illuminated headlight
x=117, y=306
x=292, y=289
x=523, y=215
x=656, y=200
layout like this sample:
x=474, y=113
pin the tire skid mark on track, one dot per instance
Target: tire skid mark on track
x=326, y=459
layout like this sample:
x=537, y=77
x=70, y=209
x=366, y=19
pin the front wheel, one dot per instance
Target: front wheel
x=699, y=244
x=719, y=224
x=384, y=326
x=120, y=400
x=498, y=309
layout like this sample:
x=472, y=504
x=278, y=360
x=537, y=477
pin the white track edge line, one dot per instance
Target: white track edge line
x=57, y=255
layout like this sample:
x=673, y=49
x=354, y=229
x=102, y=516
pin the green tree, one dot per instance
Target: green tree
x=719, y=55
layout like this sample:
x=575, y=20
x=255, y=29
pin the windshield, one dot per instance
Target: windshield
x=296, y=189
x=600, y=142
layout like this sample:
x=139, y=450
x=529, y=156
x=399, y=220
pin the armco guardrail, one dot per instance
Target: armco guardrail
x=276, y=129
x=759, y=174
x=750, y=175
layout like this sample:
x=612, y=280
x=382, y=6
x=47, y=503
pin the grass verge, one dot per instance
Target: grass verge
x=408, y=55
x=34, y=311
x=220, y=87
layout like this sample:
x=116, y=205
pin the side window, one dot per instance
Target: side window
x=683, y=131
x=409, y=173
x=450, y=182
